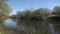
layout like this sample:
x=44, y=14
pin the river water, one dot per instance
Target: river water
x=13, y=24
x=10, y=23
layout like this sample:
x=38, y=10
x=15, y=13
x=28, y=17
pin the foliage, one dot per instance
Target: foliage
x=4, y=12
x=39, y=25
x=56, y=10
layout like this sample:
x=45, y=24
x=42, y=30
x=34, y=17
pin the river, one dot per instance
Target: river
x=13, y=24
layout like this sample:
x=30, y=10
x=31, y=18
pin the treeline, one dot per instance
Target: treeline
x=36, y=14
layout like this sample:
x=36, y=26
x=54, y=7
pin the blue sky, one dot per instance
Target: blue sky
x=20, y=5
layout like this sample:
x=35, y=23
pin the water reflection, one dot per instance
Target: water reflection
x=55, y=27
x=33, y=27
x=51, y=29
x=10, y=23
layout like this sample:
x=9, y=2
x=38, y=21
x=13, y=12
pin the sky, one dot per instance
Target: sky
x=20, y=5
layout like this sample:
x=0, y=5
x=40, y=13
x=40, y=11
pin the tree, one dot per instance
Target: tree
x=4, y=10
x=43, y=11
x=56, y=10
